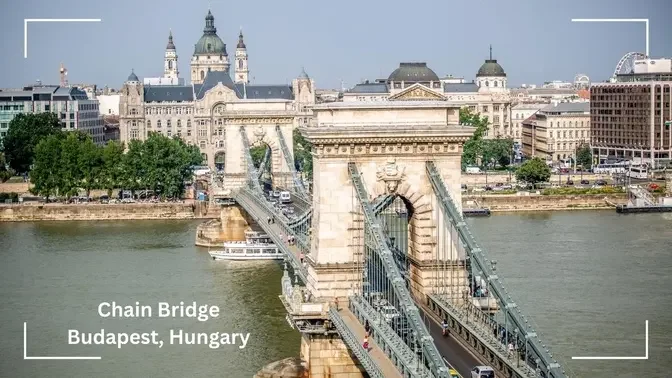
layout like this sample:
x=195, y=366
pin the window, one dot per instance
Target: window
x=202, y=74
x=496, y=119
x=209, y=48
x=134, y=134
x=202, y=144
x=240, y=64
x=188, y=123
x=179, y=123
x=495, y=108
x=134, y=111
x=168, y=124
x=158, y=124
x=496, y=83
x=485, y=109
x=149, y=124
x=134, y=124
x=202, y=133
x=188, y=132
x=169, y=132
x=570, y=125
x=518, y=116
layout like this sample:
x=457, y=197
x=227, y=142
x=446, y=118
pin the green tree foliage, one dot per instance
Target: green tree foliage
x=112, y=172
x=70, y=162
x=258, y=153
x=24, y=133
x=46, y=175
x=303, y=157
x=483, y=152
x=584, y=156
x=5, y=173
x=533, y=171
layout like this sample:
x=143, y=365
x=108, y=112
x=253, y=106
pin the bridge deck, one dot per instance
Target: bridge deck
x=456, y=354
x=386, y=366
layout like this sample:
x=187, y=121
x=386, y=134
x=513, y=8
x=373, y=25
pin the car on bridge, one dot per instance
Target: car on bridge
x=482, y=372
x=454, y=374
x=389, y=313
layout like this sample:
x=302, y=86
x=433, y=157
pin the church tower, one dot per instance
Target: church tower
x=242, y=71
x=170, y=67
x=209, y=53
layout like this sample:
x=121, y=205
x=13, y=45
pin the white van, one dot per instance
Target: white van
x=285, y=197
x=473, y=170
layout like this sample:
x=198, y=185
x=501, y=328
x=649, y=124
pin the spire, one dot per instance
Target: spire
x=209, y=24
x=241, y=43
x=490, y=52
x=171, y=45
x=303, y=75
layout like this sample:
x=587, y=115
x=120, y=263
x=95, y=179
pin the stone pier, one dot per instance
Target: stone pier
x=329, y=357
x=230, y=226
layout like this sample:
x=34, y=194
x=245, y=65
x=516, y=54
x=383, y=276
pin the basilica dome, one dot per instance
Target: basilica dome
x=210, y=43
x=491, y=68
x=413, y=73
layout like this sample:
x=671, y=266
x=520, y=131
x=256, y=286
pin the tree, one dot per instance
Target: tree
x=584, y=156
x=112, y=169
x=257, y=154
x=473, y=148
x=497, y=150
x=533, y=172
x=303, y=157
x=47, y=175
x=24, y=133
x=90, y=165
x=5, y=174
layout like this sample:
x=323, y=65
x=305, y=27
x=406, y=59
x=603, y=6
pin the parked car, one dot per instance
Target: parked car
x=585, y=182
x=389, y=313
x=570, y=182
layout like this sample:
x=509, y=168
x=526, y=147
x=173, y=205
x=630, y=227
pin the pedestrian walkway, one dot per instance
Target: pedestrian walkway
x=384, y=364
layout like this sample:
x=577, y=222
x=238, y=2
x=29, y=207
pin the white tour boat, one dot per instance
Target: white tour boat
x=257, y=246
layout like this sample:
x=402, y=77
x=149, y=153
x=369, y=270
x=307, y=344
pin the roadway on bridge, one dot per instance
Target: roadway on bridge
x=457, y=355
x=384, y=364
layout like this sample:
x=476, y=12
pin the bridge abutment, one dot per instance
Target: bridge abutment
x=329, y=356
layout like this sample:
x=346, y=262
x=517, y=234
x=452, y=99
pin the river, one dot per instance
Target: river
x=588, y=279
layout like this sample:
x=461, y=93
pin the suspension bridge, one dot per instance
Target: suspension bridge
x=381, y=242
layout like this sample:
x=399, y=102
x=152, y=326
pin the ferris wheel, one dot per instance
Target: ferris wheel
x=627, y=63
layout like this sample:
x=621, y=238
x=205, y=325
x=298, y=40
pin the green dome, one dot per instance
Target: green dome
x=491, y=68
x=210, y=43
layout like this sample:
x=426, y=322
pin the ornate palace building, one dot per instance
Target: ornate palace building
x=214, y=105
x=487, y=95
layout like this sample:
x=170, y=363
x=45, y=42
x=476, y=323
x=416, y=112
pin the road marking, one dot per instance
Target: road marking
x=27, y=20
x=26, y=357
x=646, y=350
x=644, y=20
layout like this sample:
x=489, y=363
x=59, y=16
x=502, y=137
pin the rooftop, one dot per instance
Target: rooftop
x=568, y=107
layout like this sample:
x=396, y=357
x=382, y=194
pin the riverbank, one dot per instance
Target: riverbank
x=538, y=202
x=94, y=211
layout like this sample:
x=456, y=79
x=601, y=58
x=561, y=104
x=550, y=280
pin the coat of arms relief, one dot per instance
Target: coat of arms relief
x=391, y=175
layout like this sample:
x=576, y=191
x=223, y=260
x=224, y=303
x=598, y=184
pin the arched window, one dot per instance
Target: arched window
x=158, y=123
x=170, y=64
x=149, y=124
x=240, y=64
x=134, y=111
x=179, y=123
x=202, y=144
x=570, y=123
x=202, y=74
x=496, y=83
x=188, y=123
x=209, y=46
x=487, y=83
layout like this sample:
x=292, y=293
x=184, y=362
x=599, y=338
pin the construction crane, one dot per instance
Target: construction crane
x=64, y=76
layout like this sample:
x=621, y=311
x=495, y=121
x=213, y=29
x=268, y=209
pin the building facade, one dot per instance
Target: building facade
x=632, y=117
x=209, y=112
x=72, y=106
x=520, y=113
x=487, y=95
x=555, y=132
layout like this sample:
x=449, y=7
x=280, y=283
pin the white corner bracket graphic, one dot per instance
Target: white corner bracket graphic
x=644, y=20
x=646, y=350
x=27, y=20
x=25, y=350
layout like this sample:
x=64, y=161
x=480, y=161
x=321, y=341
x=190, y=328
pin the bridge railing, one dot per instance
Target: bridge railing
x=392, y=278
x=259, y=208
x=298, y=183
x=355, y=345
x=252, y=173
x=513, y=318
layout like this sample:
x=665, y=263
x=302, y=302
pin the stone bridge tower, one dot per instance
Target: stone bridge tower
x=390, y=143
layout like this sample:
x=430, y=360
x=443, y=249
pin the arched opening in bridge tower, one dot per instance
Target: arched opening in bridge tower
x=397, y=219
x=220, y=160
x=262, y=155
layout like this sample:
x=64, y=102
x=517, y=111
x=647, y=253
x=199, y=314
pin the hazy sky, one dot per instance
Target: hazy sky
x=347, y=40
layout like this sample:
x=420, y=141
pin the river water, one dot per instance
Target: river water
x=590, y=280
